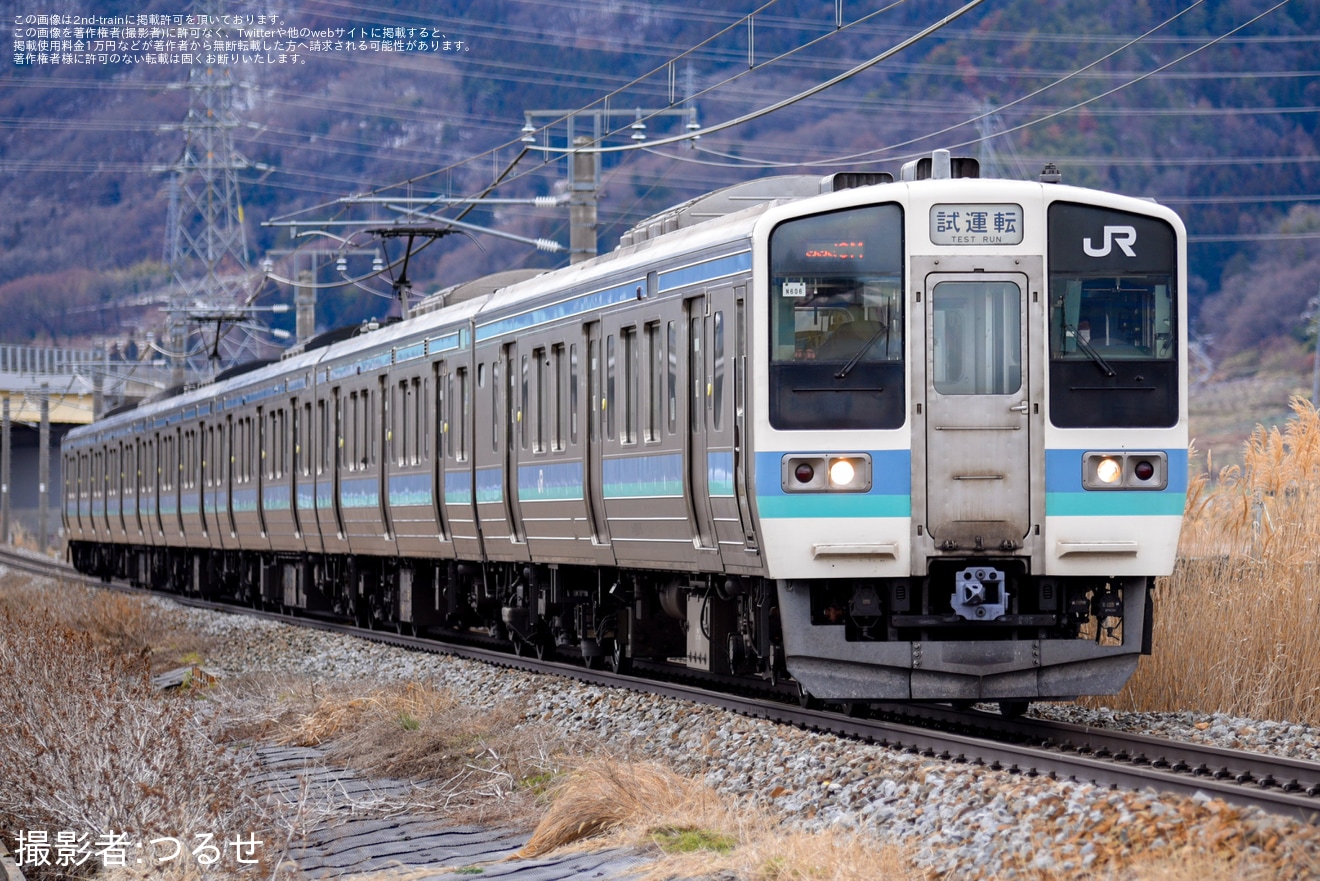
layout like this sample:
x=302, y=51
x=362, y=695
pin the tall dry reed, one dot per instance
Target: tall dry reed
x=1237, y=625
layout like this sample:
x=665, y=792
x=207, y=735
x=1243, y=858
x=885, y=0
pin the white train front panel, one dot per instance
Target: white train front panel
x=970, y=425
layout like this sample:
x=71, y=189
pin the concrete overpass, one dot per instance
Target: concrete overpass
x=45, y=391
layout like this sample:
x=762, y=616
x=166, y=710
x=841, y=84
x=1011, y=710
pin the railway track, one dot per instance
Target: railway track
x=1030, y=747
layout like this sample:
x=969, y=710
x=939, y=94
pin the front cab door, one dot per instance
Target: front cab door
x=981, y=412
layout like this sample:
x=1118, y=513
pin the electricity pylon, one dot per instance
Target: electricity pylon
x=206, y=245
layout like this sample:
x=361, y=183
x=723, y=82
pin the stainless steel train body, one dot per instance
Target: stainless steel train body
x=912, y=440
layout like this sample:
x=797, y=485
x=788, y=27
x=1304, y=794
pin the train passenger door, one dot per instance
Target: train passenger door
x=701, y=417
x=980, y=391
x=591, y=476
x=727, y=477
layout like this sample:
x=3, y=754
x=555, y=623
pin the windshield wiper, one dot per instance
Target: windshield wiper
x=1090, y=352
x=847, y=368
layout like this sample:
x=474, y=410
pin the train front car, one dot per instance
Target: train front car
x=970, y=430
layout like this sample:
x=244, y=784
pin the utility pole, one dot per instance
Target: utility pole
x=584, y=164
x=584, y=194
x=43, y=471
x=304, y=301
x=5, y=442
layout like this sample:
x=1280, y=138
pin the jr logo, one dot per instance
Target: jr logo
x=1123, y=236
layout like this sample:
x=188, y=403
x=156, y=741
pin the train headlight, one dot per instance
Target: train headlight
x=1108, y=471
x=1134, y=470
x=826, y=472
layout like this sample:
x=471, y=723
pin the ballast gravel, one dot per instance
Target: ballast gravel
x=962, y=821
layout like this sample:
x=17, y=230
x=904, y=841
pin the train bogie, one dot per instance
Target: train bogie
x=917, y=440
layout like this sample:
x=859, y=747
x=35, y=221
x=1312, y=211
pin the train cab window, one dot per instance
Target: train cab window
x=1120, y=318
x=836, y=320
x=1113, y=320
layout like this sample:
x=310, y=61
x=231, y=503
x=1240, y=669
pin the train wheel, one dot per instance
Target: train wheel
x=619, y=660
x=1013, y=709
x=519, y=647
x=807, y=701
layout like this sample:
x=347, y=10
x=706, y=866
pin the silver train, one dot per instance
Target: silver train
x=922, y=439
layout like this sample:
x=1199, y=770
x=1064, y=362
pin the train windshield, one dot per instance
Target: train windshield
x=1111, y=318
x=836, y=320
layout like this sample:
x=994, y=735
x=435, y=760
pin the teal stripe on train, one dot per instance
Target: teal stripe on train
x=410, y=490
x=550, y=482
x=362, y=492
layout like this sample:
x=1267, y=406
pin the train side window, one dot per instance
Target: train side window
x=608, y=404
x=560, y=416
x=350, y=439
x=495, y=409
x=417, y=398
x=464, y=407
x=655, y=366
x=450, y=429
x=303, y=449
x=539, y=400
x=671, y=380
x=379, y=413
x=422, y=391
x=400, y=442
x=523, y=402
x=629, y=338
x=593, y=390
x=696, y=376
x=327, y=438
x=717, y=352
x=573, y=394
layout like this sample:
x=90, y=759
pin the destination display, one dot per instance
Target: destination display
x=976, y=224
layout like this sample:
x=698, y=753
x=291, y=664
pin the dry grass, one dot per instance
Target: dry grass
x=133, y=627
x=470, y=764
x=87, y=745
x=1235, y=627
x=695, y=833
